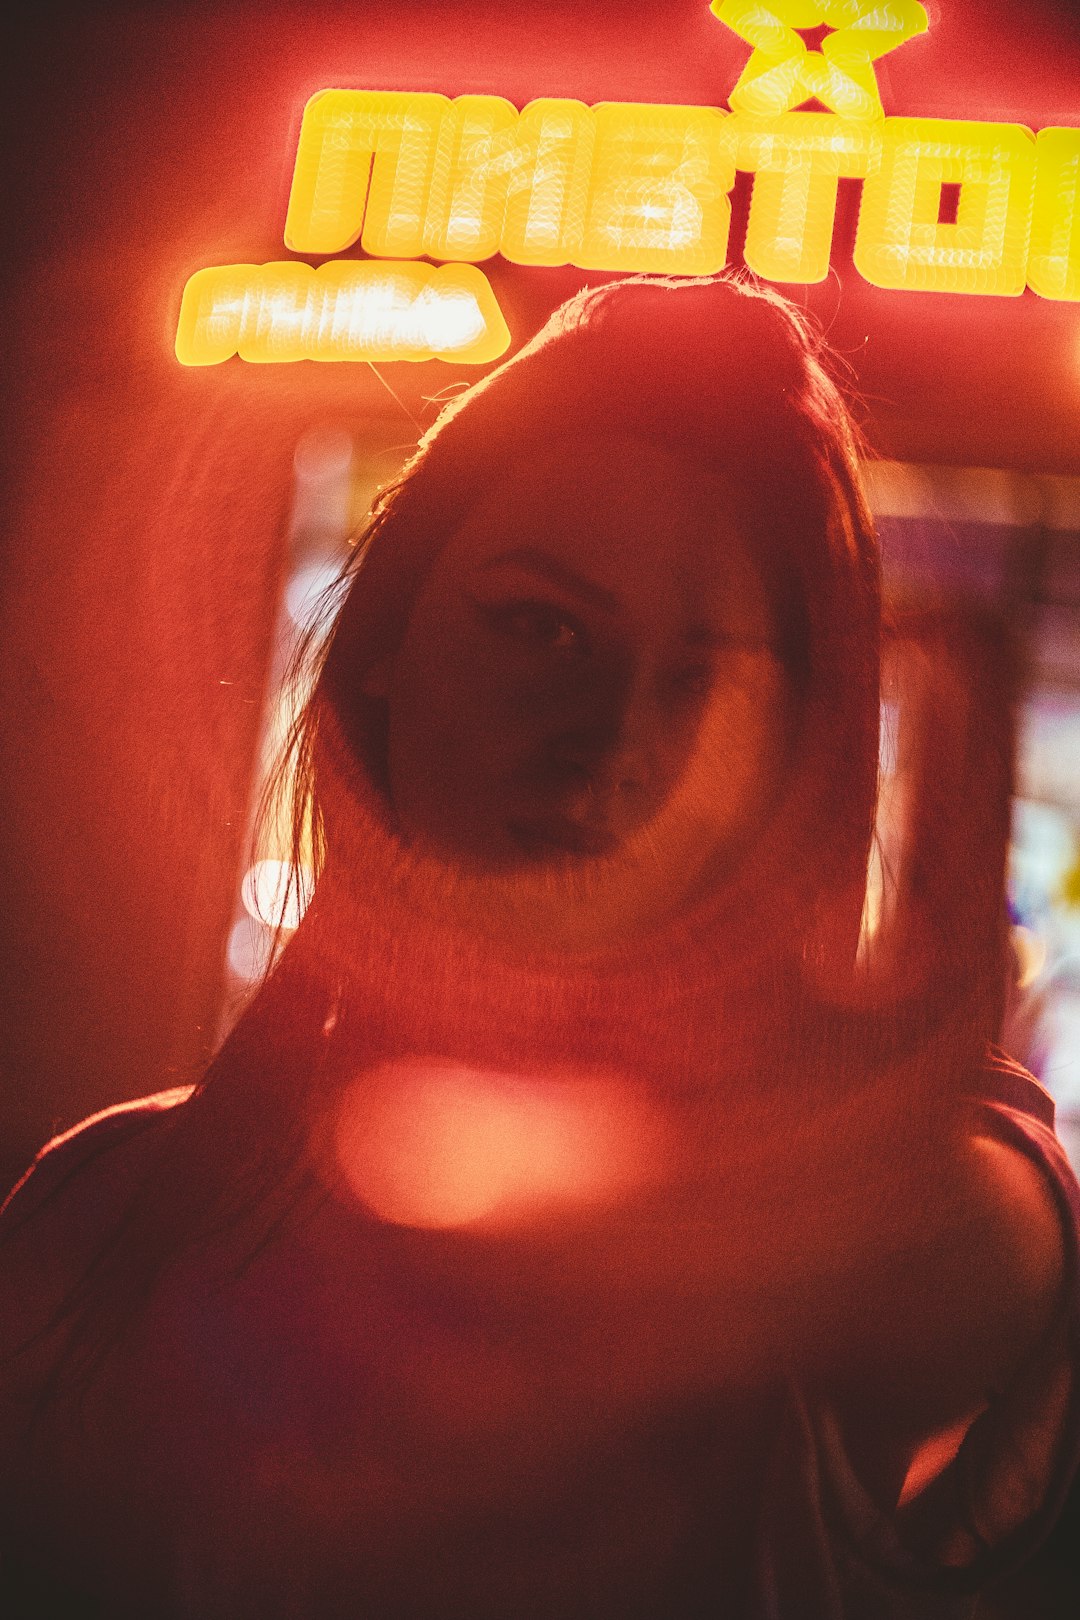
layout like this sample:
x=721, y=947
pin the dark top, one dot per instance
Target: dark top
x=237, y=1455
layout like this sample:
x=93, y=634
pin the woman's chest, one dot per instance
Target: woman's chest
x=307, y=1444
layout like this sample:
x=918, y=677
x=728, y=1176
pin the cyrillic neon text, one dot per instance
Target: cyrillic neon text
x=633, y=186
x=353, y=309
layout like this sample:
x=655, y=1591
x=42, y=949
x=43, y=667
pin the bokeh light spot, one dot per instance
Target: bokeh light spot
x=435, y=1144
x=276, y=894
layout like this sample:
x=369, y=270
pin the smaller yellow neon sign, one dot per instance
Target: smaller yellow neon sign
x=367, y=309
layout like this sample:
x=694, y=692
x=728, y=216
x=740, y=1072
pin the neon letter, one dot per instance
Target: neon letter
x=658, y=200
x=1054, y=261
x=342, y=131
x=548, y=191
x=509, y=181
x=476, y=151
x=900, y=242
x=797, y=160
x=355, y=309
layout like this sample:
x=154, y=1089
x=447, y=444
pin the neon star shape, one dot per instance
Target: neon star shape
x=783, y=72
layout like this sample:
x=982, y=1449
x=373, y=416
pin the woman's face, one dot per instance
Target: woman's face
x=592, y=645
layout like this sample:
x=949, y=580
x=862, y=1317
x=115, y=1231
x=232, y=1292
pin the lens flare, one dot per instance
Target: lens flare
x=435, y=1144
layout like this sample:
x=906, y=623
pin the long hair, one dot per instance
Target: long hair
x=725, y=374
x=722, y=373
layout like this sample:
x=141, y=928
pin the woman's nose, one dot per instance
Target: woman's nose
x=626, y=762
x=617, y=759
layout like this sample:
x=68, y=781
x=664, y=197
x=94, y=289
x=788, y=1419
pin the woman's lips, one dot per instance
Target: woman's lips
x=543, y=834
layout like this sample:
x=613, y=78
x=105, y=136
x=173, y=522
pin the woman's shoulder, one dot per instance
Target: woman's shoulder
x=1016, y=1114
x=54, y=1221
x=64, y=1166
x=1002, y=1082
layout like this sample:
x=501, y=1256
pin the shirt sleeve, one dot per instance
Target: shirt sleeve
x=72, y=1152
x=990, y=1507
x=55, y=1220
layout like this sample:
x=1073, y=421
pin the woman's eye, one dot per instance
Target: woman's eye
x=538, y=624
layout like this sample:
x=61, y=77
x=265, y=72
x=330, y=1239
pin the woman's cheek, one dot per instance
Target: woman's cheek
x=749, y=747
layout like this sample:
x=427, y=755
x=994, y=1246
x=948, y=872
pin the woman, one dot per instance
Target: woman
x=572, y=1226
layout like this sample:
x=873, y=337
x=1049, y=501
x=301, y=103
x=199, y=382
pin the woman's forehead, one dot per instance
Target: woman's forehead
x=618, y=506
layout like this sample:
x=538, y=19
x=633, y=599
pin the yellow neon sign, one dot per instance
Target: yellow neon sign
x=351, y=309
x=638, y=187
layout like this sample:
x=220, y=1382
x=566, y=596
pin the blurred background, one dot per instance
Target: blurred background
x=169, y=530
